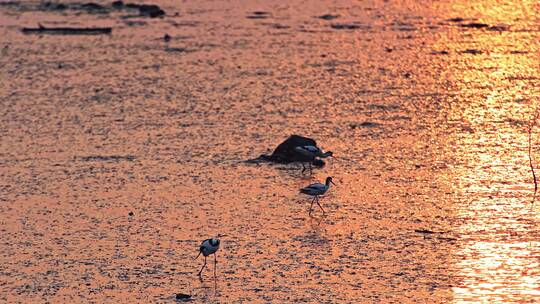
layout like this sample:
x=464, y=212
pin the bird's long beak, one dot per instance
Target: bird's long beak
x=333, y=183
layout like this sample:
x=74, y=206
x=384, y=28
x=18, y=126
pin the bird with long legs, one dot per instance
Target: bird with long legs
x=208, y=247
x=316, y=190
x=309, y=154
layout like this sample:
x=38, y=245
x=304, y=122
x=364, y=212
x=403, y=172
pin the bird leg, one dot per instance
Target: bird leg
x=320, y=205
x=303, y=168
x=310, y=169
x=200, y=272
x=311, y=206
x=215, y=266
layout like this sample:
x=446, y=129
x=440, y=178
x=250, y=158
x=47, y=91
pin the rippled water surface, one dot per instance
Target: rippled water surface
x=426, y=105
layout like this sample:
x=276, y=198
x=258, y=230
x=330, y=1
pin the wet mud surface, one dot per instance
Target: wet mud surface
x=120, y=153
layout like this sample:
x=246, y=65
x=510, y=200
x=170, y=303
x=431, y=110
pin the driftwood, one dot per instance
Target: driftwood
x=67, y=30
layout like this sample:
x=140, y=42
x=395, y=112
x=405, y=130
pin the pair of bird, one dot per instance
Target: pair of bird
x=309, y=154
x=211, y=246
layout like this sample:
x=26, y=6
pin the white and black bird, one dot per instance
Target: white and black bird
x=316, y=190
x=208, y=247
x=309, y=154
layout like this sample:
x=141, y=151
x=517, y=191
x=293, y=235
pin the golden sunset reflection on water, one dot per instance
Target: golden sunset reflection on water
x=498, y=257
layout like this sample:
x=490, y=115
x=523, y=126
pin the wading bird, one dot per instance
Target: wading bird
x=315, y=190
x=308, y=154
x=208, y=247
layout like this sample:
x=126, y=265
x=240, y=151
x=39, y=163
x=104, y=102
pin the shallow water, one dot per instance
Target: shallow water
x=427, y=115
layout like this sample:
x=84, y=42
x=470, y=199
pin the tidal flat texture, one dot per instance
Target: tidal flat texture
x=120, y=152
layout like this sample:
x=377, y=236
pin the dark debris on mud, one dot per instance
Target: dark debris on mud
x=108, y=158
x=144, y=10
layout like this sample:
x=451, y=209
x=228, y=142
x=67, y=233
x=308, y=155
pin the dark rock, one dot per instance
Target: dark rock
x=345, y=26
x=151, y=10
x=130, y=213
x=474, y=25
x=176, y=50
x=93, y=6
x=118, y=4
x=166, y=38
x=499, y=27
x=369, y=124
x=328, y=17
x=427, y=231
x=108, y=158
x=182, y=296
x=472, y=51
x=285, y=153
x=440, y=53
x=55, y=6
x=132, y=5
x=457, y=19
x=258, y=15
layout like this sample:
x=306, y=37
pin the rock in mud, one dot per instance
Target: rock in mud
x=285, y=153
x=345, y=26
x=328, y=17
x=183, y=297
x=475, y=25
x=151, y=10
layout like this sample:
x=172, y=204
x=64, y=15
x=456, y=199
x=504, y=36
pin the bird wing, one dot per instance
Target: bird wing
x=316, y=187
x=311, y=149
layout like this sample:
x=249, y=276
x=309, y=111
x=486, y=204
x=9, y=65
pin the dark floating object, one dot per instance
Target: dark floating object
x=345, y=26
x=183, y=297
x=166, y=38
x=328, y=17
x=130, y=213
x=67, y=30
x=475, y=25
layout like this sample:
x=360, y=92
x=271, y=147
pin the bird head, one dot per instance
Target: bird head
x=329, y=180
x=327, y=154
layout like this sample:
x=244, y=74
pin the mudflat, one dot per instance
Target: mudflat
x=121, y=151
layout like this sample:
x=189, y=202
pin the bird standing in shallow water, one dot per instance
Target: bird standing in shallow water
x=308, y=154
x=315, y=190
x=208, y=247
